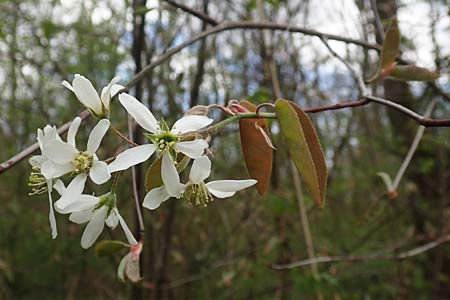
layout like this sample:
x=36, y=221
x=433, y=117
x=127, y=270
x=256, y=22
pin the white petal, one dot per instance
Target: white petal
x=59, y=187
x=116, y=88
x=51, y=170
x=126, y=230
x=170, y=176
x=139, y=112
x=59, y=152
x=37, y=160
x=51, y=214
x=67, y=85
x=190, y=123
x=106, y=92
x=200, y=170
x=87, y=94
x=131, y=157
x=94, y=228
x=96, y=136
x=81, y=217
x=155, y=197
x=227, y=188
x=193, y=149
x=112, y=220
x=84, y=202
x=99, y=172
x=72, y=193
x=73, y=129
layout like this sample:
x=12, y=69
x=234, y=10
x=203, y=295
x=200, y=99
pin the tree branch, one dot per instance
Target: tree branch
x=202, y=16
x=373, y=256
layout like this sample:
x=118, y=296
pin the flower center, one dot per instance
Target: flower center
x=83, y=162
x=197, y=194
x=37, y=182
x=109, y=200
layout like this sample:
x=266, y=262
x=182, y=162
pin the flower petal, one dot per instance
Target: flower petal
x=126, y=230
x=51, y=214
x=87, y=94
x=193, y=149
x=73, y=129
x=200, y=170
x=155, y=197
x=94, y=228
x=139, y=112
x=51, y=170
x=116, y=88
x=106, y=92
x=112, y=220
x=99, y=172
x=37, y=160
x=81, y=217
x=131, y=157
x=84, y=202
x=96, y=136
x=72, y=193
x=67, y=85
x=227, y=188
x=190, y=123
x=59, y=152
x=170, y=177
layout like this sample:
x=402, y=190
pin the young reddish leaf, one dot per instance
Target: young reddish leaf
x=153, y=176
x=413, y=73
x=389, y=52
x=258, y=154
x=304, y=147
x=391, y=45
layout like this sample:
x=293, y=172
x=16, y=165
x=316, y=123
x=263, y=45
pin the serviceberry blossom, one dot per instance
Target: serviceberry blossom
x=96, y=211
x=196, y=191
x=166, y=142
x=65, y=158
x=39, y=183
x=88, y=96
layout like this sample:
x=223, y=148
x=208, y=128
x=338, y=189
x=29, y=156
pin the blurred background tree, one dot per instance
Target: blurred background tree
x=228, y=249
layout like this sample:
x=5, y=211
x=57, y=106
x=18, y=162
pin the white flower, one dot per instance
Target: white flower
x=89, y=97
x=65, y=157
x=96, y=211
x=166, y=142
x=196, y=191
x=38, y=182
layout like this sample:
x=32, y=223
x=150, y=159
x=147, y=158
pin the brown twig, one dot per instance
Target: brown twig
x=122, y=136
x=202, y=16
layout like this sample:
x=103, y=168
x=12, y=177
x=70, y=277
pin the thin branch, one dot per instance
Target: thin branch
x=232, y=25
x=202, y=16
x=413, y=148
x=373, y=256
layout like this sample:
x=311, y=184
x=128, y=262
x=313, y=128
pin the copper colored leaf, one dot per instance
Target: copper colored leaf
x=391, y=45
x=258, y=154
x=413, y=73
x=304, y=147
x=389, y=52
x=153, y=176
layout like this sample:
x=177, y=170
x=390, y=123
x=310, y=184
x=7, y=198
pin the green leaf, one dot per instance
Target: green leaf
x=413, y=73
x=108, y=247
x=153, y=177
x=303, y=147
x=256, y=147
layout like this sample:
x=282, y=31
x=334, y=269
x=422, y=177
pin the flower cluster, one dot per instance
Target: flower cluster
x=62, y=161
